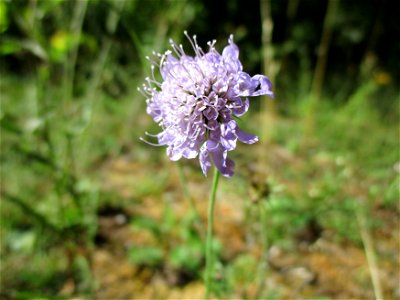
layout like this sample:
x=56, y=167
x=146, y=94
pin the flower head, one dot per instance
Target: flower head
x=197, y=102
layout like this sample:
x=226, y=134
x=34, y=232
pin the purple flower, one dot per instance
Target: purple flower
x=197, y=102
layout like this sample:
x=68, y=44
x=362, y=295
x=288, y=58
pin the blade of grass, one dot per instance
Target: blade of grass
x=320, y=68
x=369, y=253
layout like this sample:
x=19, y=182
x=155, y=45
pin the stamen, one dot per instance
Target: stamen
x=194, y=44
x=154, y=79
x=181, y=48
x=195, y=134
x=163, y=58
x=148, y=91
x=152, y=61
x=150, y=81
x=142, y=92
x=150, y=143
x=211, y=44
x=176, y=48
x=149, y=134
x=198, y=49
x=187, y=71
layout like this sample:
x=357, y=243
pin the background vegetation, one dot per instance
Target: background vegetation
x=89, y=211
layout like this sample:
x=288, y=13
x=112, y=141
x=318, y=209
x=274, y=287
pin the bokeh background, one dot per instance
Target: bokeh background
x=89, y=211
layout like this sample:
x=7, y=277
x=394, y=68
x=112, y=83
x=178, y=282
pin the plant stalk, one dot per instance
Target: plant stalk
x=209, y=254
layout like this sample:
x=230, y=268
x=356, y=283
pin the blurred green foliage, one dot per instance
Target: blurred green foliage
x=69, y=105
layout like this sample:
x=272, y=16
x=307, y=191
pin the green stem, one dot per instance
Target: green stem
x=209, y=256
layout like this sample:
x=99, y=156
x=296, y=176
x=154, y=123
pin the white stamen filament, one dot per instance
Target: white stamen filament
x=150, y=143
